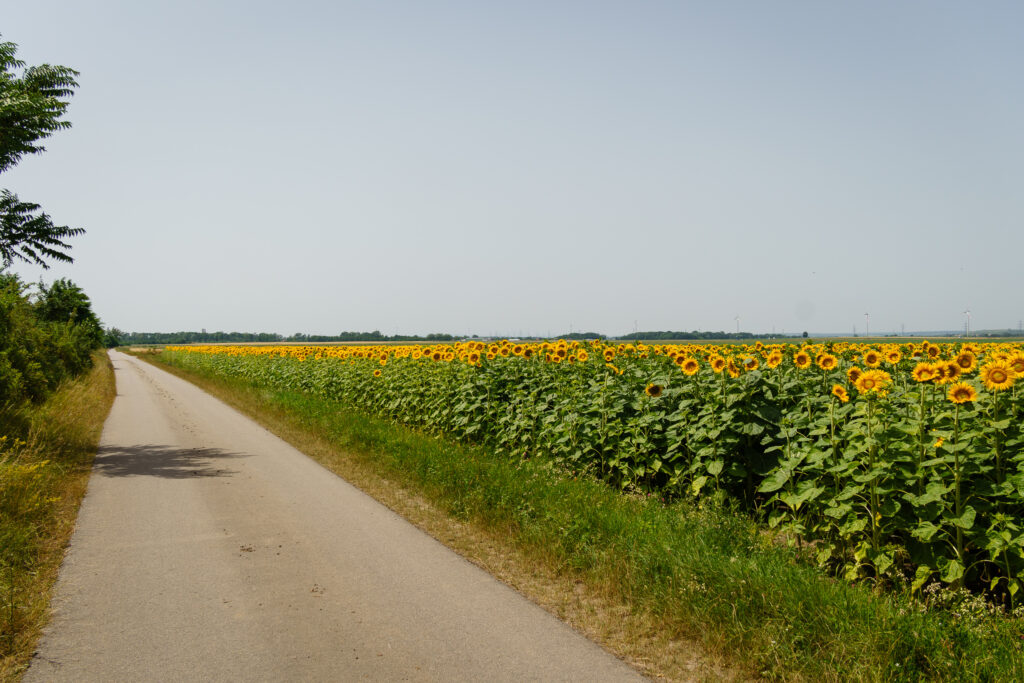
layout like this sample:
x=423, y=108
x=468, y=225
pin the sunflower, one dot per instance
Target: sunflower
x=582, y=355
x=1016, y=362
x=376, y=373
x=966, y=360
x=948, y=370
x=997, y=375
x=802, y=360
x=436, y=355
x=654, y=390
x=774, y=359
x=872, y=358
x=717, y=363
x=893, y=356
x=733, y=369
x=853, y=374
x=924, y=372
x=962, y=392
x=873, y=381
x=750, y=363
x=690, y=366
x=932, y=350
x=827, y=361
x=474, y=357
x=840, y=392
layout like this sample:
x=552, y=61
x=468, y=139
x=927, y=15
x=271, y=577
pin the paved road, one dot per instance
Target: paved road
x=209, y=549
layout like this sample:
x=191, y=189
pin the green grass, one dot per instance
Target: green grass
x=702, y=572
x=45, y=458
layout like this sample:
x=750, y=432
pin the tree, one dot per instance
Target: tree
x=32, y=108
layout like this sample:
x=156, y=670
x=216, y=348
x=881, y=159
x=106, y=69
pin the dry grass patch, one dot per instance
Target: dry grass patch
x=45, y=479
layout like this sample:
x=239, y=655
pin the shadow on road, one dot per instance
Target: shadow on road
x=171, y=462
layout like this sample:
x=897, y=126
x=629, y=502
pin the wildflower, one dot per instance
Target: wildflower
x=840, y=392
x=654, y=390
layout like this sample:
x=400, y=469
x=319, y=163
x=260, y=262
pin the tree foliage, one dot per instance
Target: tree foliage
x=33, y=101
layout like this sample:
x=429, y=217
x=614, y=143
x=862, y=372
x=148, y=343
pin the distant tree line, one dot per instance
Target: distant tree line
x=661, y=336
x=117, y=337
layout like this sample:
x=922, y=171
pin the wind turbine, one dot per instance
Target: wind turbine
x=867, y=328
x=968, y=314
x=737, y=324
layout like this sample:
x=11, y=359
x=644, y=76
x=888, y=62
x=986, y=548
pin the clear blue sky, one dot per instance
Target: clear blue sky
x=523, y=167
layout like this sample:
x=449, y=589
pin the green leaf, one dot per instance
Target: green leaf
x=953, y=571
x=964, y=521
x=715, y=467
x=921, y=576
x=776, y=480
x=698, y=484
x=924, y=531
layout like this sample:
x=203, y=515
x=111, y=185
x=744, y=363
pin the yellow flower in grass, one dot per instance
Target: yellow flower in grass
x=873, y=381
x=962, y=392
x=654, y=390
x=840, y=392
x=997, y=375
x=376, y=373
x=690, y=366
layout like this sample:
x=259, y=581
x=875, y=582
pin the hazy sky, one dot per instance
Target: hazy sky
x=523, y=167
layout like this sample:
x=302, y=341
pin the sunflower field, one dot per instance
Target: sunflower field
x=896, y=462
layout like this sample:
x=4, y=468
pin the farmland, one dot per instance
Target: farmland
x=898, y=464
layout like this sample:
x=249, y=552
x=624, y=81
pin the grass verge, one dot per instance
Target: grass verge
x=645, y=579
x=46, y=453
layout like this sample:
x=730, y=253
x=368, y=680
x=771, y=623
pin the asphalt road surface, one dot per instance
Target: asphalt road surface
x=208, y=549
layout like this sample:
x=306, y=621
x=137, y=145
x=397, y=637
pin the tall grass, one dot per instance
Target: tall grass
x=46, y=452
x=702, y=572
